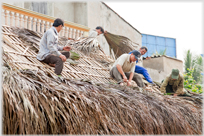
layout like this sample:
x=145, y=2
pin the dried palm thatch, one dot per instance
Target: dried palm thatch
x=35, y=101
x=21, y=47
x=119, y=44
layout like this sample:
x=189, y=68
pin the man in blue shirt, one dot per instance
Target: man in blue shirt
x=50, y=51
x=141, y=70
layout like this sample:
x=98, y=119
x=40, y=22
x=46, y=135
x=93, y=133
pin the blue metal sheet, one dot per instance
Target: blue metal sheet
x=161, y=49
x=170, y=42
x=161, y=41
x=144, y=38
x=159, y=44
x=151, y=39
x=170, y=51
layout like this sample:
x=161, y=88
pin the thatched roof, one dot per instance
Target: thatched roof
x=85, y=100
x=21, y=47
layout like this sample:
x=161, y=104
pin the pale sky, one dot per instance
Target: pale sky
x=180, y=20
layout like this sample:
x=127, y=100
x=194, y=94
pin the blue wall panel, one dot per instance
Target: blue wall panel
x=159, y=44
x=160, y=41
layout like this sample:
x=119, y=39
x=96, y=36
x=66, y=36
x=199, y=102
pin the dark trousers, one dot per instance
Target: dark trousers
x=52, y=59
x=169, y=89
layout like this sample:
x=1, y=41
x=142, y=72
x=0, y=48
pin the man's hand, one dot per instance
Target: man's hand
x=63, y=58
x=148, y=57
x=67, y=48
x=129, y=83
x=124, y=78
x=175, y=95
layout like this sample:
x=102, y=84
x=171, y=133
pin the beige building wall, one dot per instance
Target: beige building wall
x=101, y=15
x=160, y=67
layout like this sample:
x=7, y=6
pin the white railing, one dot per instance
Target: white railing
x=20, y=17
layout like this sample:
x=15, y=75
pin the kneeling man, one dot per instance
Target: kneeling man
x=124, y=68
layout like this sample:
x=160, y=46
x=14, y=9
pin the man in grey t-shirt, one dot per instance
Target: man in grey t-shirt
x=50, y=51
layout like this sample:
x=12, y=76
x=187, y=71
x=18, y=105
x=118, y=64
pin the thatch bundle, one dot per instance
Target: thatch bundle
x=35, y=101
x=120, y=44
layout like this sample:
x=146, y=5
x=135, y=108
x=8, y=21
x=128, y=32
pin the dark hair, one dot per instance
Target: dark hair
x=101, y=28
x=144, y=47
x=58, y=22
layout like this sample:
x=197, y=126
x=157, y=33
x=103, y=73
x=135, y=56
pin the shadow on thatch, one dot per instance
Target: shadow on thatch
x=35, y=101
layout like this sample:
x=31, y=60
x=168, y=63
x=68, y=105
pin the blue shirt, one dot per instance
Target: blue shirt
x=49, y=44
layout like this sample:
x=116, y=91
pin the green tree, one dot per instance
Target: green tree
x=188, y=61
x=190, y=83
x=198, y=69
x=194, y=62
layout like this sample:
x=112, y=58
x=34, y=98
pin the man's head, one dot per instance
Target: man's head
x=143, y=50
x=134, y=55
x=100, y=30
x=175, y=74
x=58, y=24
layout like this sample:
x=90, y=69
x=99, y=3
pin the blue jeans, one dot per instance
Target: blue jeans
x=144, y=72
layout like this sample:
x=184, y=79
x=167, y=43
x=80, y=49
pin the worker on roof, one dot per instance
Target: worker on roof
x=124, y=68
x=50, y=51
x=141, y=70
x=174, y=83
x=95, y=32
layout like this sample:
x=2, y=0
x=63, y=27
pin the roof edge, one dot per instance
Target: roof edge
x=121, y=17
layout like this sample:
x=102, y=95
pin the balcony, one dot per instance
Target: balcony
x=24, y=18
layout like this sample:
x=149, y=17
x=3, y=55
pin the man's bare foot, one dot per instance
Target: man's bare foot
x=52, y=65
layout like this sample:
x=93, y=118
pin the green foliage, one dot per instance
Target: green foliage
x=194, y=62
x=161, y=52
x=188, y=61
x=190, y=83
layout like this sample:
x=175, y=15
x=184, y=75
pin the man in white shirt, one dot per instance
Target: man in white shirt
x=99, y=30
x=124, y=64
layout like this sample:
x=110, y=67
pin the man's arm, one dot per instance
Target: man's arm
x=130, y=79
x=164, y=84
x=180, y=87
x=120, y=70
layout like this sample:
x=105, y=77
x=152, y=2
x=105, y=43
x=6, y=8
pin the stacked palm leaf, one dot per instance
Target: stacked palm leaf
x=35, y=101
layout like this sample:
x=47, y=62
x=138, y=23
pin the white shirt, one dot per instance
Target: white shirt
x=124, y=62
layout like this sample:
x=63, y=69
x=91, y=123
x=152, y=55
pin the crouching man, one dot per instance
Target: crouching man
x=124, y=68
x=174, y=83
x=50, y=51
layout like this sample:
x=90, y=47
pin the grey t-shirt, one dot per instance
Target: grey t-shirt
x=49, y=44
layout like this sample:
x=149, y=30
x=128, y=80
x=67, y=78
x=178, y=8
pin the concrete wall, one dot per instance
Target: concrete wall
x=171, y=63
x=80, y=13
x=160, y=67
x=157, y=75
x=154, y=63
x=100, y=15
